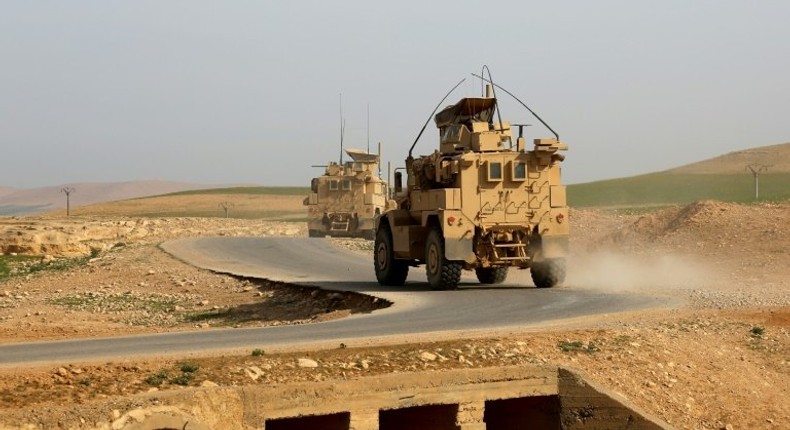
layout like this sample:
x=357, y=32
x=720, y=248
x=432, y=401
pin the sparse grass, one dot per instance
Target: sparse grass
x=113, y=302
x=634, y=210
x=11, y=210
x=246, y=203
x=182, y=379
x=257, y=352
x=241, y=213
x=664, y=189
x=577, y=346
x=277, y=191
x=22, y=265
x=189, y=367
x=623, y=339
x=757, y=331
x=187, y=375
x=57, y=265
x=157, y=378
x=9, y=262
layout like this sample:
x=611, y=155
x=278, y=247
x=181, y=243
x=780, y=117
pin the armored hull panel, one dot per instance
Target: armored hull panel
x=344, y=201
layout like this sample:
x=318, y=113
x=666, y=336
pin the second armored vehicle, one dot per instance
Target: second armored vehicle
x=346, y=198
x=482, y=202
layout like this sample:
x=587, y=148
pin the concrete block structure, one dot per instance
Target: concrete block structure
x=501, y=398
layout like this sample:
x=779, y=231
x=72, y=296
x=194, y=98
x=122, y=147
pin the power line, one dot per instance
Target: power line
x=68, y=191
x=756, y=169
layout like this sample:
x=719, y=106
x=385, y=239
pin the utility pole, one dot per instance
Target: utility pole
x=342, y=128
x=67, y=191
x=226, y=207
x=756, y=169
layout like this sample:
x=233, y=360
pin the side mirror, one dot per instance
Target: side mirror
x=398, y=182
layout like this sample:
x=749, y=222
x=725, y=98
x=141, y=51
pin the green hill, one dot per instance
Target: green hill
x=663, y=189
x=724, y=178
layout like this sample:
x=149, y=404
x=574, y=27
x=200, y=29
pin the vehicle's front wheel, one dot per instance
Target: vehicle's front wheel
x=491, y=275
x=442, y=274
x=548, y=273
x=389, y=270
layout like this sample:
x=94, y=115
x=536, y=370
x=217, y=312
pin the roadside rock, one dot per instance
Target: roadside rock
x=307, y=363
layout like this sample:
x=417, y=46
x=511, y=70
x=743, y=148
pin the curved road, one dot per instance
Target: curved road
x=416, y=309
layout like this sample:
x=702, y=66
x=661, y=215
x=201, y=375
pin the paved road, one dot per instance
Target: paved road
x=416, y=309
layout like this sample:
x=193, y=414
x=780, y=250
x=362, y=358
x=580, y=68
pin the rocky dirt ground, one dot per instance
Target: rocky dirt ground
x=720, y=362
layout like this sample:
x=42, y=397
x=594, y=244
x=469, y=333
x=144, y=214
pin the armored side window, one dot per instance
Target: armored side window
x=494, y=171
x=314, y=185
x=333, y=185
x=519, y=171
x=452, y=134
x=346, y=184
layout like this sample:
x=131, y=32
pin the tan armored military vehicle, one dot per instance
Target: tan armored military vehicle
x=483, y=201
x=346, y=198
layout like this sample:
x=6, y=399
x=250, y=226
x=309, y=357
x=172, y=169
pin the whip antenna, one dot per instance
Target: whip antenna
x=434, y=111
x=522, y=104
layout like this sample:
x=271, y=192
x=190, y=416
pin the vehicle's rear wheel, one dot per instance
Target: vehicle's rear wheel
x=548, y=273
x=491, y=275
x=368, y=234
x=313, y=233
x=442, y=274
x=389, y=270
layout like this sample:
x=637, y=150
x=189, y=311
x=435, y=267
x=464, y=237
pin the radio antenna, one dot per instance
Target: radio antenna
x=342, y=128
x=522, y=104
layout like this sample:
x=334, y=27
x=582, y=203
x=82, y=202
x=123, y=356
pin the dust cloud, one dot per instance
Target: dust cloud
x=617, y=271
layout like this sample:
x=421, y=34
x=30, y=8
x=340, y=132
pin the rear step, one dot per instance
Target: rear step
x=339, y=225
x=518, y=248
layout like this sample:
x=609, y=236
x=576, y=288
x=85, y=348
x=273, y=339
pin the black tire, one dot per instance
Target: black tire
x=368, y=234
x=389, y=270
x=548, y=273
x=442, y=274
x=491, y=275
x=313, y=233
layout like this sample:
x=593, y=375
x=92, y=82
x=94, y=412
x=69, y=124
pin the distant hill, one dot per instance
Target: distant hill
x=777, y=157
x=272, y=203
x=723, y=178
x=35, y=200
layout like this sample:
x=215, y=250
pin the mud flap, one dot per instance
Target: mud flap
x=365, y=224
x=459, y=249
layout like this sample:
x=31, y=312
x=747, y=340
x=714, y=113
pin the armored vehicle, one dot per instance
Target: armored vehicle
x=481, y=202
x=346, y=198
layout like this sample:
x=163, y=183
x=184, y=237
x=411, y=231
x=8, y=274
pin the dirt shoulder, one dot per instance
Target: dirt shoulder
x=723, y=360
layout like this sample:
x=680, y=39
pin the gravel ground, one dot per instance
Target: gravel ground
x=723, y=361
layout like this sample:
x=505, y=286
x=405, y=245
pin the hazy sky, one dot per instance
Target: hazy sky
x=248, y=91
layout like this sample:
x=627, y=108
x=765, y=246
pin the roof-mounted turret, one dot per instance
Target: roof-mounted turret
x=466, y=111
x=361, y=156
